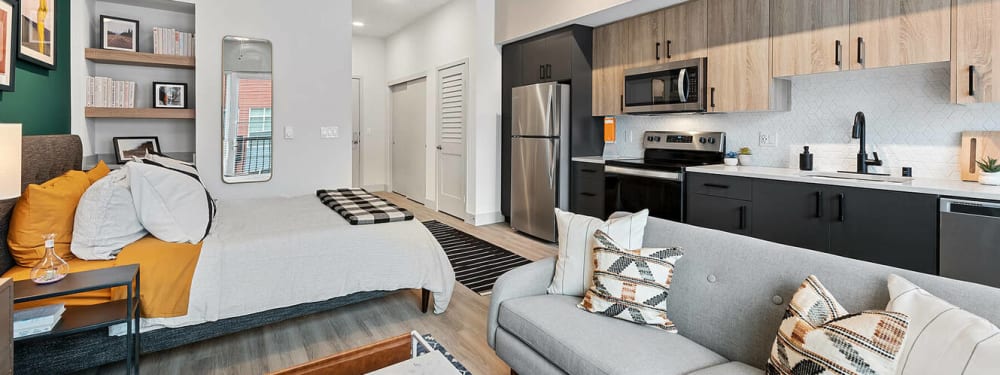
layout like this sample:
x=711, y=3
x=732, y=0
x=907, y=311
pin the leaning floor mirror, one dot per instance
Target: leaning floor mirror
x=246, y=113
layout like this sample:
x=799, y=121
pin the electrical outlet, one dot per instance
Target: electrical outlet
x=767, y=140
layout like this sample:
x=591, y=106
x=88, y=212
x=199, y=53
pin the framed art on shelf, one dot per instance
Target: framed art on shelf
x=8, y=30
x=119, y=34
x=169, y=95
x=128, y=147
x=38, y=32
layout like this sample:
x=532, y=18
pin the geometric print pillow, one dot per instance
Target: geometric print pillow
x=817, y=336
x=631, y=285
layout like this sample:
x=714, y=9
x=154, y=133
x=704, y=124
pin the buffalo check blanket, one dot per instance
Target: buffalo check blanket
x=358, y=206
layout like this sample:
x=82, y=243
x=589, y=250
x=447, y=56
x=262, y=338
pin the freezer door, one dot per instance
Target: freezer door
x=534, y=192
x=537, y=109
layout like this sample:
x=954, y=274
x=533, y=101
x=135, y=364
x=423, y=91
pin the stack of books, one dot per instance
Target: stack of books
x=37, y=320
x=172, y=42
x=104, y=92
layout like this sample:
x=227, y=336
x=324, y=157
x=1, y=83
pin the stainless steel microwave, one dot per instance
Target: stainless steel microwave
x=671, y=87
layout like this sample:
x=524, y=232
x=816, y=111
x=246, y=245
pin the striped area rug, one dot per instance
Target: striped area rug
x=477, y=263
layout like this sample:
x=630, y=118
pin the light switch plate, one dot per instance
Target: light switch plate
x=289, y=132
x=330, y=132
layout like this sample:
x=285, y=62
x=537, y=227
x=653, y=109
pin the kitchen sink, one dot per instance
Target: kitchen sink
x=858, y=177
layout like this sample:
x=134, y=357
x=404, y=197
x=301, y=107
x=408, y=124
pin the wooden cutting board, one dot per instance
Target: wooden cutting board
x=977, y=146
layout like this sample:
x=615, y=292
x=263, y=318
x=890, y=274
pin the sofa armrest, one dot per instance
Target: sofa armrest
x=532, y=279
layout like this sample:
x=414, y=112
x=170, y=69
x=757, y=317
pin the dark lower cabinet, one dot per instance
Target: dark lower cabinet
x=897, y=229
x=587, y=189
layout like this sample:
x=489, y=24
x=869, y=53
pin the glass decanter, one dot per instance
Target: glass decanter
x=51, y=268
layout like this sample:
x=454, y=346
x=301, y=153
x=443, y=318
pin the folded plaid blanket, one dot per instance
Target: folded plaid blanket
x=359, y=206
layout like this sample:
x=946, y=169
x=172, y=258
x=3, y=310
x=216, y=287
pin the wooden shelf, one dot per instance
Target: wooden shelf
x=140, y=113
x=105, y=56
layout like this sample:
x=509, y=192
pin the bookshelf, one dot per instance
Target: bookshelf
x=104, y=56
x=140, y=113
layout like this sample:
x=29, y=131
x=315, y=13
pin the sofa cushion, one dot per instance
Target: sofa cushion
x=731, y=368
x=583, y=343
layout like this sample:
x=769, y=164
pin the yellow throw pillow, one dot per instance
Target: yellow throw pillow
x=42, y=209
x=100, y=170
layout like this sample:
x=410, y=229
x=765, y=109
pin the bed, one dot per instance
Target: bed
x=265, y=261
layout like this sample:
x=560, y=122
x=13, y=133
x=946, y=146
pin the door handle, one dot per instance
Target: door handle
x=972, y=80
x=838, y=52
x=588, y=194
x=588, y=170
x=743, y=217
x=541, y=72
x=819, y=204
x=440, y=148
x=861, y=50
x=717, y=186
x=668, y=49
x=657, y=51
x=713, y=97
x=548, y=71
x=840, y=202
x=622, y=104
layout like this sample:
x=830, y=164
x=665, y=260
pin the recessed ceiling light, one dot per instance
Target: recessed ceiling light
x=358, y=24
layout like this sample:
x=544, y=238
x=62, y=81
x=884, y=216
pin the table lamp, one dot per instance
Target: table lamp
x=10, y=161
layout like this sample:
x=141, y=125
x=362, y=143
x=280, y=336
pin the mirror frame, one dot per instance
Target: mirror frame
x=225, y=93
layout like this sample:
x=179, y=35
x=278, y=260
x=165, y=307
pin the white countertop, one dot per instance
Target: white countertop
x=600, y=159
x=956, y=188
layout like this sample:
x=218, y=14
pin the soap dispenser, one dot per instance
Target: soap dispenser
x=806, y=160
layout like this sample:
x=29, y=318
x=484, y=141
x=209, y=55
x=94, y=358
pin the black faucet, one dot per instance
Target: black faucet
x=858, y=132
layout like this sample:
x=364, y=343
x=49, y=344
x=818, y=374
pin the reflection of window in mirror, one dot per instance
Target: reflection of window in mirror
x=247, y=114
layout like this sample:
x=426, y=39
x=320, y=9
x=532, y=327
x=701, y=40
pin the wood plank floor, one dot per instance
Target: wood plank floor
x=462, y=329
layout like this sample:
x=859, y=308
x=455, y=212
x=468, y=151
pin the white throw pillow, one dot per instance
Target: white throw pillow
x=170, y=200
x=105, y=219
x=942, y=339
x=575, y=264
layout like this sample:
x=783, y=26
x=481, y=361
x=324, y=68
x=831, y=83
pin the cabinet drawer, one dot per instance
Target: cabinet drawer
x=589, y=176
x=719, y=186
x=725, y=214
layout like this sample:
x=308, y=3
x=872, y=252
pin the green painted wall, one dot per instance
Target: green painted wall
x=40, y=100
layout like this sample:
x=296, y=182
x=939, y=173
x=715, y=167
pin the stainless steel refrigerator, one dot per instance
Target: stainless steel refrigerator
x=539, y=158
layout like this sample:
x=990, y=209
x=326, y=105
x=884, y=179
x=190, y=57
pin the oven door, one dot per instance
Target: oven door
x=633, y=190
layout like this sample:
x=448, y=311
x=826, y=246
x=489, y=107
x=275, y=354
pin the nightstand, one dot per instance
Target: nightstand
x=6, y=327
x=78, y=319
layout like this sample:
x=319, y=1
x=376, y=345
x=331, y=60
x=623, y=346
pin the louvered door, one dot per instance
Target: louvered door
x=452, y=89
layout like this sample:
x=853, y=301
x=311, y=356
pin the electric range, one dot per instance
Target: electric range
x=656, y=181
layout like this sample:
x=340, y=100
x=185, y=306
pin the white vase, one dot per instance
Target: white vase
x=732, y=162
x=989, y=178
x=746, y=160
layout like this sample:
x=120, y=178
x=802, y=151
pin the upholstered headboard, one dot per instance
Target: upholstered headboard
x=43, y=157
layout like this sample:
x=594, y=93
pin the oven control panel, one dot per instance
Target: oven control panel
x=687, y=141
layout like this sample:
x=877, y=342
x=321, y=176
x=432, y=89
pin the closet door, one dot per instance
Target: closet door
x=409, y=139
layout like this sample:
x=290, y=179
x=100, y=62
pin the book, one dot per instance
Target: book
x=29, y=331
x=40, y=316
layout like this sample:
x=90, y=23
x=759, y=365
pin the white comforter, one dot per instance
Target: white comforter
x=264, y=254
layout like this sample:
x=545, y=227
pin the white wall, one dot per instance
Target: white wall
x=368, y=63
x=459, y=30
x=312, y=88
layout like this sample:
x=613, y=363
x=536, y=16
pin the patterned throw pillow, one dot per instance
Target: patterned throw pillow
x=819, y=337
x=631, y=285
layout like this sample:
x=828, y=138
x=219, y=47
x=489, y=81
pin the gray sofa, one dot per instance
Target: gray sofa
x=728, y=297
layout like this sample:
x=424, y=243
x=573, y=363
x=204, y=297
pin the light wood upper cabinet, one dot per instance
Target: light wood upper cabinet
x=739, y=56
x=642, y=34
x=609, y=69
x=685, y=32
x=899, y=32
x=809, y=36
x=976, y=51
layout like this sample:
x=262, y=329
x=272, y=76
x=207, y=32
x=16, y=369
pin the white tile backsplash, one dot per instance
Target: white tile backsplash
x=910, y=122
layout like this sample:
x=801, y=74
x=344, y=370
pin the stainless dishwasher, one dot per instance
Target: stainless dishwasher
x=970, y=241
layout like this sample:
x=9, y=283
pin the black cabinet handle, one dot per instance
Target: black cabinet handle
x=713, y=97
x=588, y=170
x=588, y=194
x=548, y=71
x=657, y=51
x=717, y=186
x=861, y=50
x=839, y=59
x=819, y=204
x=743, y=217
x=668, y=49
x=622, y=104
x=840, y=201
x=972, y=80
x=541, y=72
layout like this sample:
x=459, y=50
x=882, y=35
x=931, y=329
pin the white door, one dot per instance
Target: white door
x=451, y=139
x=409, y=126
x=356, y=133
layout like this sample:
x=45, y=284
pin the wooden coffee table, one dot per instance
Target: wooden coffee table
x=394, y=356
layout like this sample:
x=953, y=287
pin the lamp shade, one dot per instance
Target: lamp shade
x=10, y=160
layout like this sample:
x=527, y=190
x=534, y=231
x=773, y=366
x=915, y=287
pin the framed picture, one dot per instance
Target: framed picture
x=128, y=147
x=169, y=95
x=8, y=30
x=38, y=32
x=119, y=34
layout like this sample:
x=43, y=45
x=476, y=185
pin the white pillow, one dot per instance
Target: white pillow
x=575, y=264
x=170, y=200
x=942, y=338
x=105, y=219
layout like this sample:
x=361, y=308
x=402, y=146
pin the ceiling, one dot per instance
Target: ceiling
x=384, y=17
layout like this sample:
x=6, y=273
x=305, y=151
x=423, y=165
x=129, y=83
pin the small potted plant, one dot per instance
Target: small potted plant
x=746, y=156
x=731, y=159
x=989, y=171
